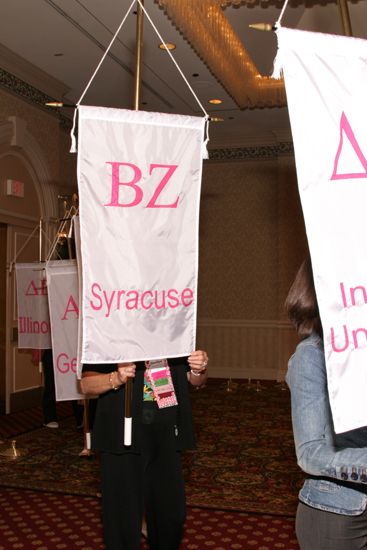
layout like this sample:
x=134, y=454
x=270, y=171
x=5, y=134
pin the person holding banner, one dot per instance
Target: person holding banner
x=331, y=513
x=146, y=477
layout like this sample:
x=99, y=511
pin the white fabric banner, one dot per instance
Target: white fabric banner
x=62, y=283
x=139, y=177
x=33, y=318
x=326, y=82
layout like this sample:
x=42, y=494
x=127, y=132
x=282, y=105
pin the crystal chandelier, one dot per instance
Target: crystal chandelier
x=205, y=26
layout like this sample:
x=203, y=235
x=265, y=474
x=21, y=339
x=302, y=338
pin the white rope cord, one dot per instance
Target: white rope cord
x=278, y=23
x=173, y=59
x=22, y=248
x=105, y=54
x=25, y=244
x=205, y=152
x=72, y=133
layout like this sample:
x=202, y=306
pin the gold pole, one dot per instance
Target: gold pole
x=261, y=26
x=40, y=241
x=137, y=90
x=11, y=453
x=345, y=17
x=138, y=55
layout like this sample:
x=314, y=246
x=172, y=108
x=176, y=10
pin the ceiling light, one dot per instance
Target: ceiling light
x=58, y=104
x=215, y=101
x=55, y=104
x=167, y=46
x=216, y=119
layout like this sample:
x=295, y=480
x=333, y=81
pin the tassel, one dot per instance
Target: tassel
x=204, y=147
x=73, y=144
x=204, y=150
x=278, y=66
x=72, y=133
x=278, y=61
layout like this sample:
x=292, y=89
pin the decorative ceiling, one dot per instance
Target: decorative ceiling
x=55, y=45
x=205, y=25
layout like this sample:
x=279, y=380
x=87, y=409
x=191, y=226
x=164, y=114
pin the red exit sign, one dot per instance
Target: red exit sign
x=15, y=188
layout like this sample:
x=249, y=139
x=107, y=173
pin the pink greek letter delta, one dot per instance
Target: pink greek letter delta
x=34, y=290
x=345, y=128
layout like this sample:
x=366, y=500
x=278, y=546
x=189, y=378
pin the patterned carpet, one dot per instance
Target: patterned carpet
x=14, y=424
x=49, y=521
x=245, y=459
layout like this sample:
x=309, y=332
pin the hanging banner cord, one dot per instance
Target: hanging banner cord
x=72, y=133
x=25, y=244
x=279, y=21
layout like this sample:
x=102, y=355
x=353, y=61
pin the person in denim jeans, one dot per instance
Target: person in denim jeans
x=331, y=513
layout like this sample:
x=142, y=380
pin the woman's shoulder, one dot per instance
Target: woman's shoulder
x=311, y=344
x=308, y=358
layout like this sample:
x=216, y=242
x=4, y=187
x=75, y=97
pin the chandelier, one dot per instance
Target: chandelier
x=204, y=24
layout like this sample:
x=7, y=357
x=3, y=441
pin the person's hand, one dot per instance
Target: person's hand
x=125, y=371
x=198, y=361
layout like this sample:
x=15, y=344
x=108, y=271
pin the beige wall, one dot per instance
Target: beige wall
x=252, y=240
x=45, y=129
x=238, y=241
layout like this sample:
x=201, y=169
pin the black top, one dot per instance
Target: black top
x=108, y=426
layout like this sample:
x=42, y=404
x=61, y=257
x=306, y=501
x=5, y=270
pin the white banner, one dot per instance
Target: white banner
x=139, y=177
x=62, y=283
x=33, y=317
x=326, y=83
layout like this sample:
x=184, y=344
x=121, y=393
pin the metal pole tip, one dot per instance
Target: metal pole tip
x=262, y=26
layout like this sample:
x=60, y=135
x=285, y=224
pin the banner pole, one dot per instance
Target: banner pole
x=139, y=54
x=137, y=90
x=40, y=240
x=345, y=17
x=86, y=429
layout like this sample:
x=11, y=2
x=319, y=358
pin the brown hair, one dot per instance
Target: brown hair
x=301, y=302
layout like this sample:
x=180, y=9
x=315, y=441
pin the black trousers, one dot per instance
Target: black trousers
x=321, y=530
x=48, y=395
x=150, y=483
